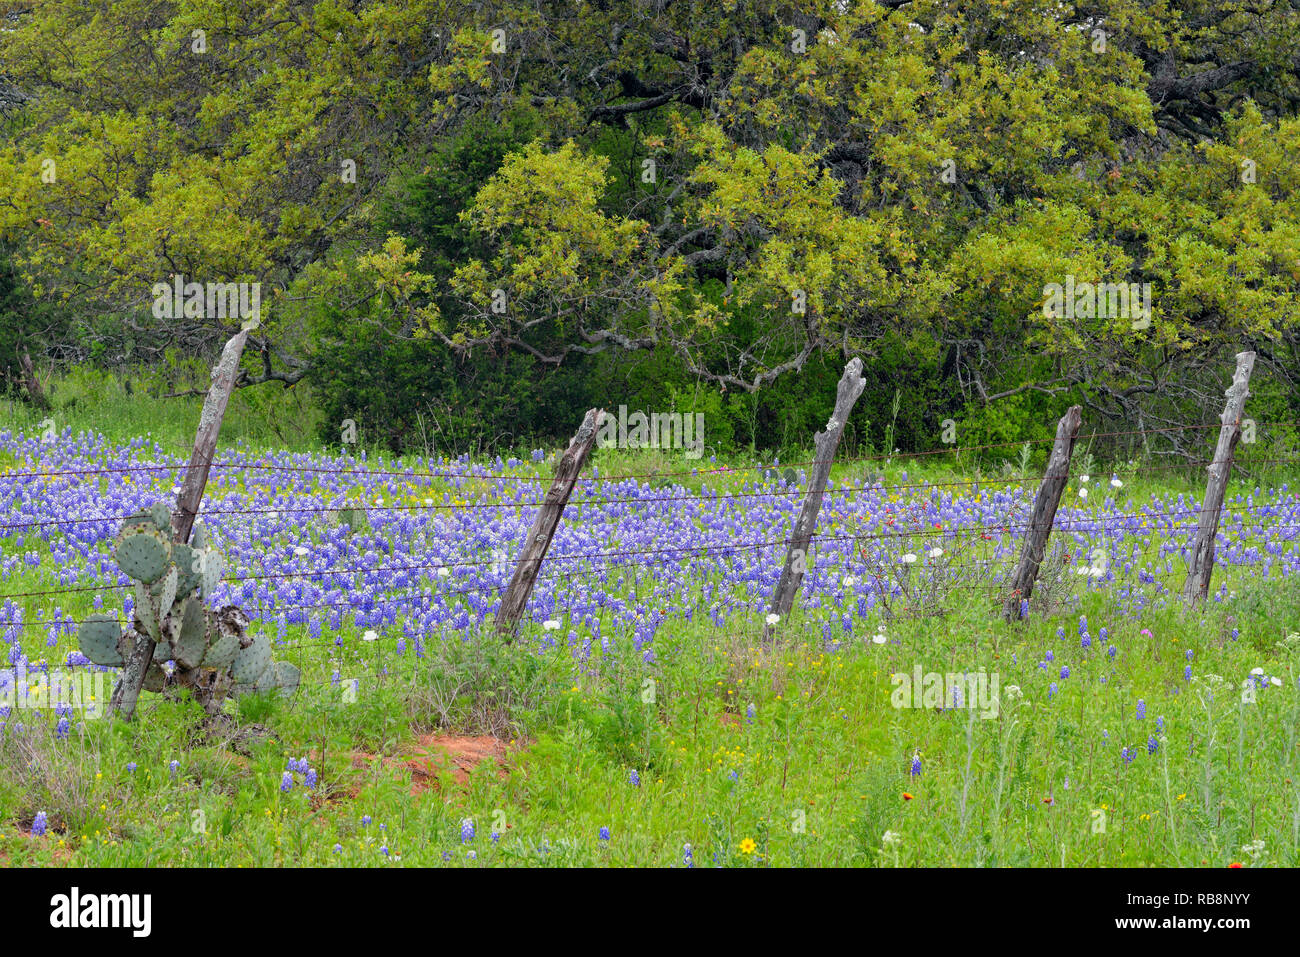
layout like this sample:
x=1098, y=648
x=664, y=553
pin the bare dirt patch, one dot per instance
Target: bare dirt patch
x=434, y=755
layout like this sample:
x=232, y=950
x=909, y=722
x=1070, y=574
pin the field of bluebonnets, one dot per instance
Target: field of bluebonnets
x=640, y=719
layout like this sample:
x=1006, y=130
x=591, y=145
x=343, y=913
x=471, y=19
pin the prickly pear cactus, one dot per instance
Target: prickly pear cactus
x=210, y=652
x=99, y=638
x=252, y=661
x=143, y=552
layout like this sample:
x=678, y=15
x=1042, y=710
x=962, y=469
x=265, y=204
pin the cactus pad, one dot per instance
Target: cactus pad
x=214, y=566
x=167, y=597
x=163, y=651
x=98, y=638
x=221, y=653
x=161, y=516
x=143, y=553
x=154, y=678
x=145, y=611
x=192, y=640
x=252, y=662
x=188, y=566
x=269, y=681
x=287, y=676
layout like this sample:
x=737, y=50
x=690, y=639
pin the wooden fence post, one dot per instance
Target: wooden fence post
x=1201, y=562
x=224, y=373
x=846, y=394
x=1045, y=504
x=529, y=562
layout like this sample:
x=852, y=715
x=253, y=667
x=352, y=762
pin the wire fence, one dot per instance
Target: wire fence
x=898, y=521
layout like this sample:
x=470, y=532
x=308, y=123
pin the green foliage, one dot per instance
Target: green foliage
x=212, y=655
x=898, y=182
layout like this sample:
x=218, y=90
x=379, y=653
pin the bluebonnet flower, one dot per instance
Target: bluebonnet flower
x=1160, y=723
x=365, y=820
x=1065, y=671
x=1024, y=608
x=338, y=848
x=1112, y=651
x=286, y=781
x=496, y=837
x=1141, y=709
x=1189, y=654
x=1128, y=754
x=604, y=834
x=131, y=766
x=39, y=824
x=1152, y=745
x=472, y=855
x=384, y=850
x=634, y=779
x=1187, y=673
x=62, y=728
x=1050, y=656
x=1051, y=690
x=467, y=830
x=174, y=766
x=749, y=714
x=687, y=857
x=309, y=779
x=916, y=765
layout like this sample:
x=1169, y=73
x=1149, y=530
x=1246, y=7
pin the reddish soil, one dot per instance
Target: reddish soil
x=436, y=754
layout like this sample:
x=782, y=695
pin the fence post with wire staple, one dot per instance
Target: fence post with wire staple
x=1200, y=564
x=846, y=394
x=529, y=562
x=1021, y=584
x=224, y=374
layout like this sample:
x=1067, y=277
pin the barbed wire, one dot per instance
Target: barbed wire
x=1165, y=520
x=293, y=510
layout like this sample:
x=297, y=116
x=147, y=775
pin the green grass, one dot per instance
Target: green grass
x=820, y=771
x=818, y=776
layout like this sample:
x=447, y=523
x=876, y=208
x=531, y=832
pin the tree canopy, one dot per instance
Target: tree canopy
x=743, y=187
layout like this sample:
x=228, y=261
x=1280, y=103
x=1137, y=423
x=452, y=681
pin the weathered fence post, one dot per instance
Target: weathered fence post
x=1201, y=562
x=31, y=382
x=224, y=373
x=529, y=562
x=850, y=387
x=1044, y=514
